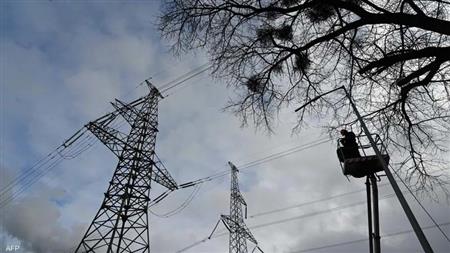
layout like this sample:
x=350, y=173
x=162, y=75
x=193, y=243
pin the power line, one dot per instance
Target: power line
x=259, y=161
x=31, y=177
x=257, y=226
x=28, y=183
x=33, y=170
x=106, y=108
x=62, y=150
x=36, y=166
x=312, y=202
x=309, y=202
x=284, y=153
x=180, y=208
x=224, y=173
x=317, y=212
x=185, y=79
x=76, y=145
x=83, y=145
x=59, y=153
x=198, y=182
x=420, y=204
x=183, y=76
x=87, y=140
x=299, y=217
x=363, y=240
x=82, y=148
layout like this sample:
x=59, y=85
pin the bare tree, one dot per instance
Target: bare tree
x=392, y=55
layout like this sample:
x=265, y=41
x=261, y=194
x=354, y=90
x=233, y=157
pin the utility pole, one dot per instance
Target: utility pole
x=409, y=214
x=373, y=214
x=239, y=233
x=121, y=223
x=369, y=214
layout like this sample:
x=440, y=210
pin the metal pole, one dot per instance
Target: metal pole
x=376, y=216
x=412, y=219
x=369, y=214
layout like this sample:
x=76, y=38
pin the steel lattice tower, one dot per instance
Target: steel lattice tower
x=239, y=233
x=121, y=223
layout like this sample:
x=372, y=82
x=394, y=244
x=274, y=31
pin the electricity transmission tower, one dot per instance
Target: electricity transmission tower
x=239, y=233
x=121, y=223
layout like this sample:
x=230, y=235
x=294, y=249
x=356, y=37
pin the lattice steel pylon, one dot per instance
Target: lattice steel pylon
x=239, y=232
x=121, y=223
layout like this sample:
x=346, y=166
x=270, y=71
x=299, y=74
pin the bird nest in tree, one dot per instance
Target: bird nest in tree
x=254, y=84
x=272, y=15
x=320, y=11
x=301, y=62
x=284, y=33
x=277, y=68
x=266, y=34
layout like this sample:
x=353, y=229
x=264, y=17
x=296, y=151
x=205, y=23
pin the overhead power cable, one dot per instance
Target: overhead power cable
x=309, y=202
x=176, y=81
x=280, y=221
x=277, y=210
x=302, y=217
x=71, y=148
x=245, y=166
x=319, y=212
x=29, y=181
x=420, y=204
x=33, y=168
x=42, y=162
x=183, y=76
x=363, y=240
x=164, y=90
x=259, y=161
x=83, y=130
x=68, y=151
x=298, y=217
x=284, y=153
x=37, y=175
x=180, y=208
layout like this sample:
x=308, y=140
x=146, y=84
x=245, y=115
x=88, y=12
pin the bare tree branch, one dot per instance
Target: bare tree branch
x=392, y=55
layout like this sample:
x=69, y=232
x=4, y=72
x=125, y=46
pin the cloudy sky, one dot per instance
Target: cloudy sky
x=61, y=65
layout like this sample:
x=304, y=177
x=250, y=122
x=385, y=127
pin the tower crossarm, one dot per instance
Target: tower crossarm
x=240, y=228
x=130, y=112
x=162, y=176
x=112, y=138
x=116, y=142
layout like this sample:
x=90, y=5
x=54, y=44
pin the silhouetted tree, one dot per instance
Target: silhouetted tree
x=392, y=55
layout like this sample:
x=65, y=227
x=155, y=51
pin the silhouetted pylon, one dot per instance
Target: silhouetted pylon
x=121, y=223
x=239, y=233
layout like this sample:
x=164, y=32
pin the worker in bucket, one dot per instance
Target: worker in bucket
x=349, y=143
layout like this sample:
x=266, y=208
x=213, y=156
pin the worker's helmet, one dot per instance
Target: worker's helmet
x=344, y=132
